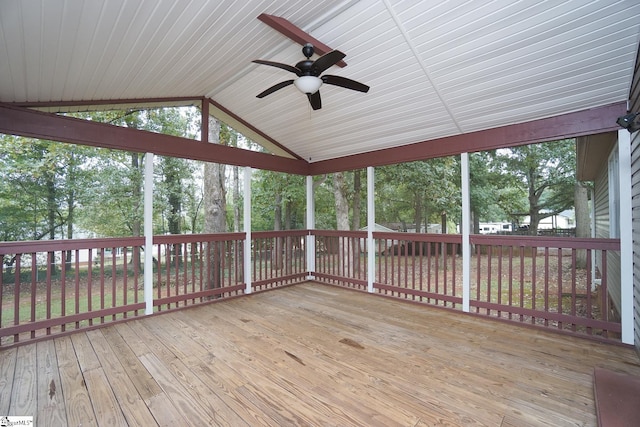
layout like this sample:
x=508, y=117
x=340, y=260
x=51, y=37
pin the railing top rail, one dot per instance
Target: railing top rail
x=544, y=241
x=7, y=248
x=281, y=233
x=194, y=238
x=32, y=246
x=418, y=237
x=338, y=233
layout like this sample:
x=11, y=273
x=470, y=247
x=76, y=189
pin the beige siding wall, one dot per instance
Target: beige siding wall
x=634, y=105
x=602, y=231
x=635, y=198
x=602, y=203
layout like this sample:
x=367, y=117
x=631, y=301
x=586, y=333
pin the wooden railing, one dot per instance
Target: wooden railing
x=536, y=281
x=419, y=267
x=340, y=258
x=190, y=269
x=545, y=281
x=279, y=258
x=54, y=287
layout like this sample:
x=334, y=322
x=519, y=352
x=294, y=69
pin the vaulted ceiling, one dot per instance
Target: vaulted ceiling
x=436, y=69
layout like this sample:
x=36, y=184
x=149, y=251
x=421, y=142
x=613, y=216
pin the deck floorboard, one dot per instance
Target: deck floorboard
x=309, y=354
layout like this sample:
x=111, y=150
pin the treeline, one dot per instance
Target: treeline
x=54, y=190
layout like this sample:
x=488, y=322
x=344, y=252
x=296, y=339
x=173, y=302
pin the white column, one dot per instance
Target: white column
x=626, y=241
x=466, y=227
x=247, y=230
x=148, y=233
x=311, y=225
x=371, y=224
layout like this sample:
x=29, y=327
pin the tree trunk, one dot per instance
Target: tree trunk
x=342, y=221
x=236, y=188
x=236, y=199
x=583, y=220
x=71, y=177
x=51, y=213
x=475, y=221
x=288, y=250
x=215, y=220
x=417, y=219
x=276, y=249
x=136, y=192
x=443, y=246
x=172, y=181
x=357, y=196
x=355, y=220
x=70, y=219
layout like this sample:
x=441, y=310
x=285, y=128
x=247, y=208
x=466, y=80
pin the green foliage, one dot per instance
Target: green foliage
x=41, y=180
x=49, y=188
x=418, y=192
x=544, y=174
x=275, y=193
x=494, y=195
x=122, y=178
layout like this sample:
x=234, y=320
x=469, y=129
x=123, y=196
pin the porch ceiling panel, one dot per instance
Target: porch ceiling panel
x=435, y=69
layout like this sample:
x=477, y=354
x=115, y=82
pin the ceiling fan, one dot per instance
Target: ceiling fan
x=309, y=75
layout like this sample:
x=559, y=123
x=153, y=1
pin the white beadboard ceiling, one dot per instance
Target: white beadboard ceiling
x=435, y=68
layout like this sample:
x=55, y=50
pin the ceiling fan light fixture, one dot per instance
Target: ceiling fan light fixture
x=308, y=84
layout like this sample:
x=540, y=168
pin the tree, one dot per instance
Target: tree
x=44, y=183
x=215, y=215
x=489, y=191
x=419, y=192
x=547, y=173
x=342, y=220
x=583, y=224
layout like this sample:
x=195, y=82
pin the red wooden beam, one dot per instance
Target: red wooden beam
x=24, y=122
x=289, y=30
x=36, y=124
x=571, y=125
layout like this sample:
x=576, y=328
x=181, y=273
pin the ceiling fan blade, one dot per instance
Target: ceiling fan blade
x=274, y=88
x=345, y=82
x=280, y=65
x=314, y=100
x=326, y=61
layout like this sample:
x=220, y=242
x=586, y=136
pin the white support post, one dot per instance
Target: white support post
x=247, y=230
x=148, y=233
x=466, y=227
x=371, y=224
x=626, y=241
x=311, y=224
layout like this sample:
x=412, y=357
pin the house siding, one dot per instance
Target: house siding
x=602, y=231
x=634, y=105
x=635, y=206
x=601, y=189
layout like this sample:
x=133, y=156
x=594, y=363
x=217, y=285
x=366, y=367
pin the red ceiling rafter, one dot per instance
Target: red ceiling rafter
x=26, y=122
x=571, y=125
x=289, y=30
x=35, y=124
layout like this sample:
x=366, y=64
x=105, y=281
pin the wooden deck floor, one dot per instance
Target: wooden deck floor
x=308, y=355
